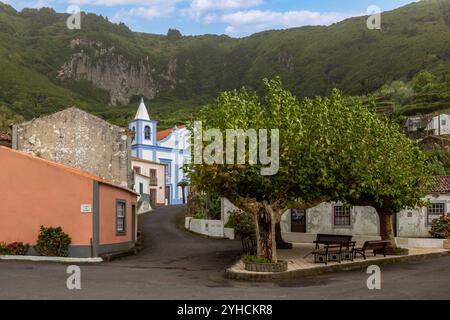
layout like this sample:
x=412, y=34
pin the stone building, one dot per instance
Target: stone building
x=80, y=140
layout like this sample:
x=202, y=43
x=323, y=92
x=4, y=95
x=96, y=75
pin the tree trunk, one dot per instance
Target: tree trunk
x=183, y=193
x=386, y=227
x=281, y=244
x=265, y=232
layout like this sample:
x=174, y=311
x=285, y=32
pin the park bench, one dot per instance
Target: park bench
x=331, y=239
x=329, y=252
x=336, y=248
x=249, y=246
x=377, y=246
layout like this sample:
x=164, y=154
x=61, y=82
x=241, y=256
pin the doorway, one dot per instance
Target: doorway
x=153, y=198
x=168, y=195
x=298, y=220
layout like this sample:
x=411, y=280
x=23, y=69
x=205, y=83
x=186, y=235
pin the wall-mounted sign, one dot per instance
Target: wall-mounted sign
x=86, y=208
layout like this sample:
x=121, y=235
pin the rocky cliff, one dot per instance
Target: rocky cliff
x=114, y=72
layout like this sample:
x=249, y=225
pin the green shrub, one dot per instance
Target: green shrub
x=441, y=227
x=243, y=224
x=254, y=259
x=3, y=249
x=200, y=215
x=53, y=242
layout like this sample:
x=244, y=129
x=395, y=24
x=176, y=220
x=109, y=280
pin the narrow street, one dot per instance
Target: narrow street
x=176, y=264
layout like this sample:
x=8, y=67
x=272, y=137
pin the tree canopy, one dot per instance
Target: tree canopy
x=330, y=149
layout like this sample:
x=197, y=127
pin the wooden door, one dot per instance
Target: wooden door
x=298, y=220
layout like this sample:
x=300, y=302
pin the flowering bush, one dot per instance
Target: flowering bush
x=14, y=248
x=53, y=242
x=441, y=227
x=17, y=248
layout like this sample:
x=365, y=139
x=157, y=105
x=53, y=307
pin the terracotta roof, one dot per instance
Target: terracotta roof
x=146, y=161
x=165, y=133
x=69, y=169
x=442, y=184
x=5, y=136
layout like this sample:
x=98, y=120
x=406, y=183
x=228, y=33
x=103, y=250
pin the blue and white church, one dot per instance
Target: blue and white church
x=170, y=147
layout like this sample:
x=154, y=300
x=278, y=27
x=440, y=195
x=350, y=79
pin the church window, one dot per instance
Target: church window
x=147, y=133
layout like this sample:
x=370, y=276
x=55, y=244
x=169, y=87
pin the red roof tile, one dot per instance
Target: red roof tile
x=442, y=184
x=160, y=135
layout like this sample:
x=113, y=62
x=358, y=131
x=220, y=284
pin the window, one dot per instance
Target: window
x=341, y=216
x=443, y=122
x=147, y=133
x=137, y=169
x=141, y=188
x=153, y=173
x=120, y=216
x=435, y=211
x=133, y=130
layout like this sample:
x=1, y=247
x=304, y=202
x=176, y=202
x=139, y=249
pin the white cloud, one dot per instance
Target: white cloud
x=112, y=3
x=246, y=22
x=151, y=10
x=198, y=8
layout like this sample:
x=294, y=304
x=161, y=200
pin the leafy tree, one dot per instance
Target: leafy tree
x=329, y=149
x=424, y=81
x=174, y=34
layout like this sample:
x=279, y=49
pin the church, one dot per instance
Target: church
x=170, y=147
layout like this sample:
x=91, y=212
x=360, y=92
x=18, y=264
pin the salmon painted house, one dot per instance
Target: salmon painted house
x=99, y=216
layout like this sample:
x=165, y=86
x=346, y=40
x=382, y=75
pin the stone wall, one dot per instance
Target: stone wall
x=80, y=140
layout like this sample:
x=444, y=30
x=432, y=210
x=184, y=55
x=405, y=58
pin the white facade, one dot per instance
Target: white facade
x=171, y=148
x=145, y=167
x=141, y=184
x=361, y=222
x=439, y=125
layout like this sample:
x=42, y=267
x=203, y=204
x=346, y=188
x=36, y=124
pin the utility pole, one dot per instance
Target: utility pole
x=439, y=124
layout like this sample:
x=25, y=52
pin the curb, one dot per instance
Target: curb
x=119, y=254
x=51, y=259
x=301, y=273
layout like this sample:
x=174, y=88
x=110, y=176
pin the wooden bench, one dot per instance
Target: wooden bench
x=331, y=239
x=377, y=246
x=249, y=246
x=336, y=248
x=330, y=252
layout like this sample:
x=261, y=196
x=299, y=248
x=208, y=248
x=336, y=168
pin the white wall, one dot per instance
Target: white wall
x=445, y=124
x=211, y=228
x=364, y=221
x=413, y=222
x=145, y=183
x=160, y=175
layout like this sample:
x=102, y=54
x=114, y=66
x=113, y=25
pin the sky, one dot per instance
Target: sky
x=235, y=18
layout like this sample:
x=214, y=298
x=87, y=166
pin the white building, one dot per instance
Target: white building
x=170, y=147
x=435, y=125
x=439, y=125
x=361, y=222
x=150, y=180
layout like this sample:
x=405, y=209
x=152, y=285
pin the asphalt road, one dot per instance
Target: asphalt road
x=176, y=264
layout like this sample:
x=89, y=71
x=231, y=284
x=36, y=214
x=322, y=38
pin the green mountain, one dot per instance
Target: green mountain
x=104, y=67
